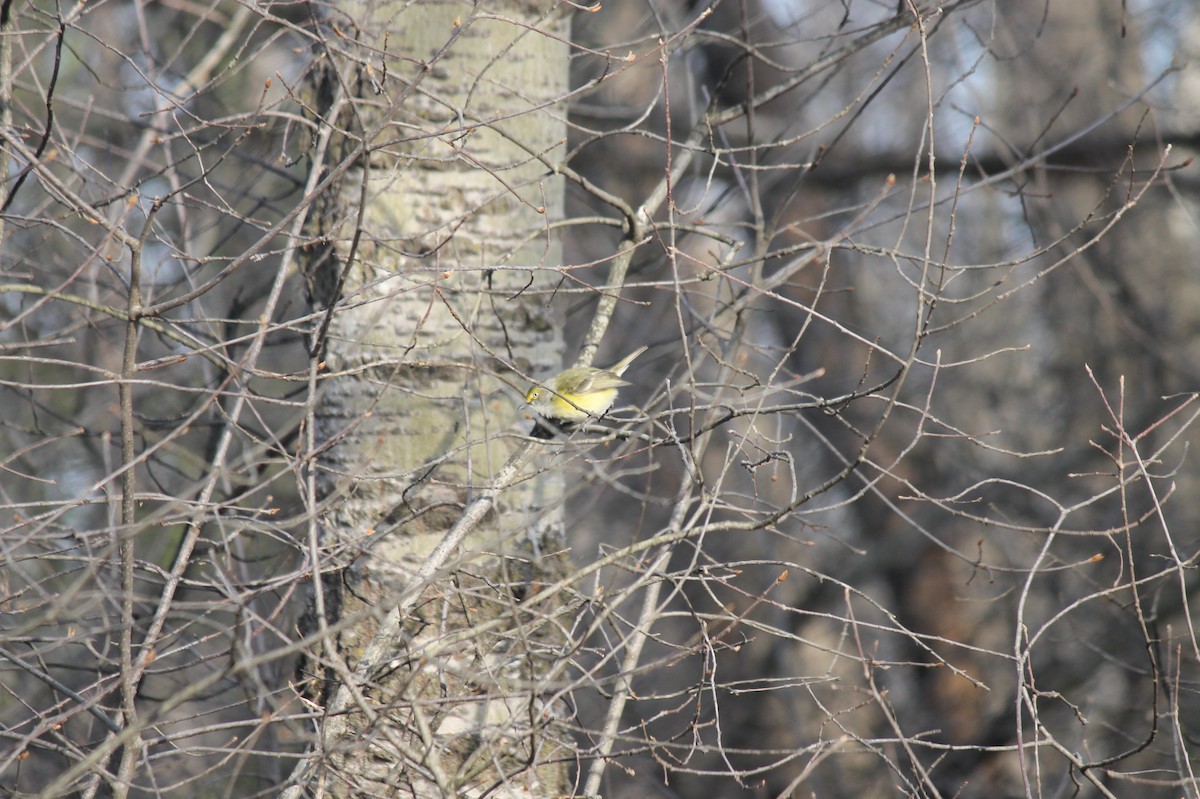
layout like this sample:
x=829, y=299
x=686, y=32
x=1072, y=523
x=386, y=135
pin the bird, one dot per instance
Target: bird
x=580, y=393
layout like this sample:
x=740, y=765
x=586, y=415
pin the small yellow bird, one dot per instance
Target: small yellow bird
x=585, y=392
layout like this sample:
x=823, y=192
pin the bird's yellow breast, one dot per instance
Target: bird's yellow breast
x=571, y=407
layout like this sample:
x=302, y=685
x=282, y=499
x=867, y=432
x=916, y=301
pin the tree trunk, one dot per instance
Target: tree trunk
x=448, y=136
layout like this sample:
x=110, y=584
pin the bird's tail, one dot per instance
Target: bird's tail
x=620, y=366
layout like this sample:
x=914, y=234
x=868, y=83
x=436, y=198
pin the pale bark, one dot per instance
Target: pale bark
x=454, y=135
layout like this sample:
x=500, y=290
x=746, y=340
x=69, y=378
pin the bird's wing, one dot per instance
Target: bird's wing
x=599, y=381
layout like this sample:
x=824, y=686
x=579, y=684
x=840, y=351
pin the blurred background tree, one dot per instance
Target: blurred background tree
x=899, y=501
